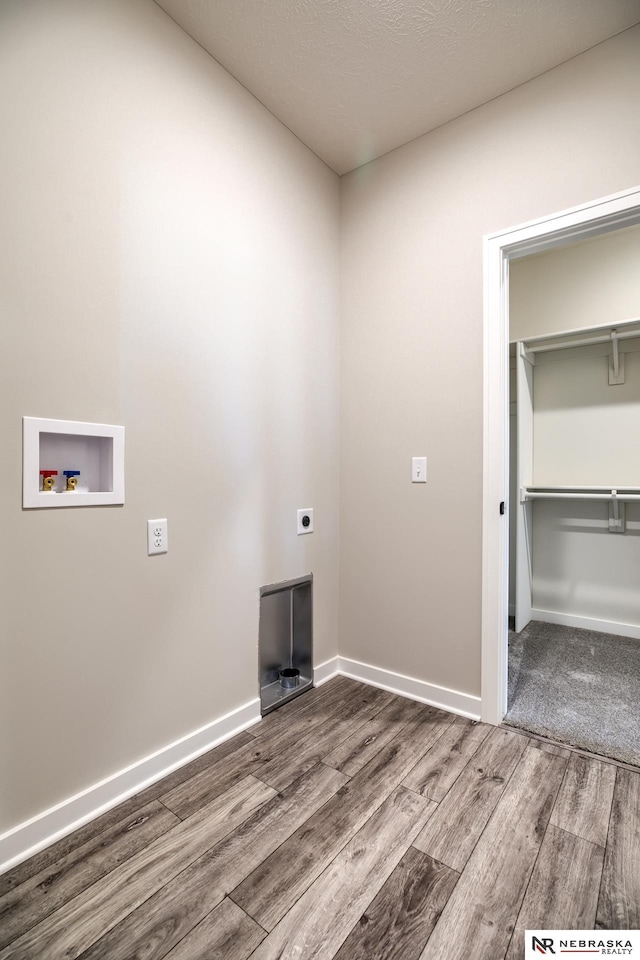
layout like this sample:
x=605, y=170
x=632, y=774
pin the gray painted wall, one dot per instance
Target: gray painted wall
x=411, y=374
x=170, y=262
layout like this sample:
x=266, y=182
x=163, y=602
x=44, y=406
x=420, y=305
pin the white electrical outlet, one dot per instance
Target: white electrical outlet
x=157, y=536
x=305, y=520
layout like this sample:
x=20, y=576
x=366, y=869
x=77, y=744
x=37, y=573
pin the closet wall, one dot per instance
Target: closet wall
x=584, y=430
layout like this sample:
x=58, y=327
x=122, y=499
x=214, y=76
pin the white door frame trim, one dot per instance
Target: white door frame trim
x=569, y=226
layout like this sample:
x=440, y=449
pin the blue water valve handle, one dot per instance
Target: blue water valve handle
x=71, y=478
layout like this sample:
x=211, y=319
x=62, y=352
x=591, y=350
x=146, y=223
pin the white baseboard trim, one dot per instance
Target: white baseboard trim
x=587, y=623
x=452, y=700
x=325, y=671
x=33, y=835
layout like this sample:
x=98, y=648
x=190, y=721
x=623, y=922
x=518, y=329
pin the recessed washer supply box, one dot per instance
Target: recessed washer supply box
x=95, y=449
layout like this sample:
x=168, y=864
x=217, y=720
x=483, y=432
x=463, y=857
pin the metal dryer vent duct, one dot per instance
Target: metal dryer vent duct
x=285, y=641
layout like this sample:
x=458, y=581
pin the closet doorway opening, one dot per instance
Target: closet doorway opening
x=562, y=418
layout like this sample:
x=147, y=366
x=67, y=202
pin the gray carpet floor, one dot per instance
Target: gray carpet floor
x=576, y=686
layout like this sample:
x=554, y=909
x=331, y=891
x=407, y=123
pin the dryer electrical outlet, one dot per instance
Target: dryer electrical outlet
x=305, y=520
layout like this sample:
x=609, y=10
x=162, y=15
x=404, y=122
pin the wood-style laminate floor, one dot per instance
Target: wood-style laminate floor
x=349, y=824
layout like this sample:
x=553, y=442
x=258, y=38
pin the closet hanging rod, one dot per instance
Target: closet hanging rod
x=621, y=497
x=584, y=342
x=603, y=487
x=600, y=330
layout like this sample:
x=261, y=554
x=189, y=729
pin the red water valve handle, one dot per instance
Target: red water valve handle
x=48, y=473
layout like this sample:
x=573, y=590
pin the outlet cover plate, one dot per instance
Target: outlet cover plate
x=305, y=520
x=157, y=536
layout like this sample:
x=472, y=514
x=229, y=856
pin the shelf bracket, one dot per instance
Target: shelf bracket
x=616, y=362
x=616, y=514
x=526, y=354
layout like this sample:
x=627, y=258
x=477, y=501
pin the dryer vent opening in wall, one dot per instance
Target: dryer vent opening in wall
x=285, y=641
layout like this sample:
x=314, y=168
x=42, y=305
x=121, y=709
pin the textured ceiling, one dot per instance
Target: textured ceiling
x=356, y=78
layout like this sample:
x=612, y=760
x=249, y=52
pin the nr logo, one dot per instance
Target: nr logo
x=544, y=945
